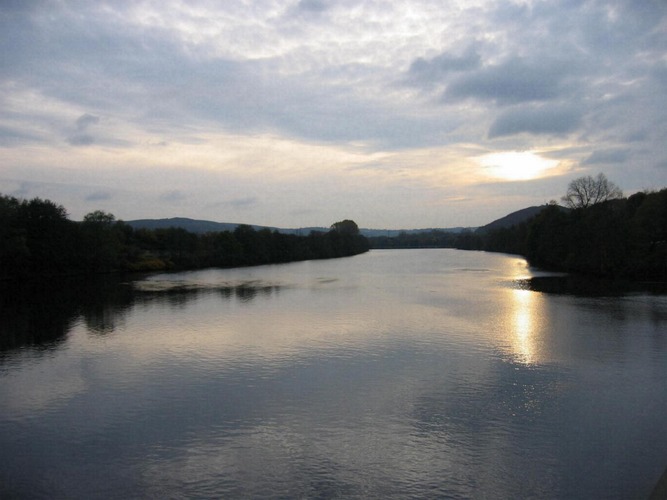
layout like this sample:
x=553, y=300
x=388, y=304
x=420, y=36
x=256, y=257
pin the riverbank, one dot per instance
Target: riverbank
x=40, y=240
x=619, y=239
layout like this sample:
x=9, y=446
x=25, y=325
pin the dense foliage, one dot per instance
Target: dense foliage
x=619, y=238
x=464, y=240
x=36, y=237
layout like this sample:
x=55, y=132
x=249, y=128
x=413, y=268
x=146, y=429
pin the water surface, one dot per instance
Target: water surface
x=404, y=374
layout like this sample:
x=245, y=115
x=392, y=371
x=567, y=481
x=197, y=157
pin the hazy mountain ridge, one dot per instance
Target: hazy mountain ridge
x=514, y=218
x=192, y=225
x=206, y=226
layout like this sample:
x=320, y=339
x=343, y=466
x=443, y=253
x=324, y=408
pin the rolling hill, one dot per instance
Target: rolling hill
x=207, y=226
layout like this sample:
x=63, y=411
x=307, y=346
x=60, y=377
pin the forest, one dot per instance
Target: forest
x=622, y=238
x=607, y=236
x=597, y=231
x=38, y=239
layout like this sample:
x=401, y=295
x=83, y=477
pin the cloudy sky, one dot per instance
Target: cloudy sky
x=292, y=113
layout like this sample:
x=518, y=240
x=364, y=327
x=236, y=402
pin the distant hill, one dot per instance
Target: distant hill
x=191, y=225
x=392, y=233
x=207, y=226
x=514, y=218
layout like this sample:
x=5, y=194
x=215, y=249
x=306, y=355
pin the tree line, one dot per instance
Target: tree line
x=616, y=238
x=435, y=238
x=38, y=238
x=597, y=232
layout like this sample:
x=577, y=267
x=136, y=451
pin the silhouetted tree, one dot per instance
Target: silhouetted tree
x=346, y=239
x=346, y=227
x=587, y=191
x=50, y=236
x=648, y=254
x=100, y=242
x=14, y=251
x=99, y=218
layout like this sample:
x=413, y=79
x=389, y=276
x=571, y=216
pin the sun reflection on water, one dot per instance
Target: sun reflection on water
x=523, y=314
x=524, y=325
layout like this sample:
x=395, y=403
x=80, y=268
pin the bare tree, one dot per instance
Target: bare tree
x=586, y=191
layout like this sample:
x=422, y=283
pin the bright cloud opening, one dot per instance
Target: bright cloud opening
x=516, y=165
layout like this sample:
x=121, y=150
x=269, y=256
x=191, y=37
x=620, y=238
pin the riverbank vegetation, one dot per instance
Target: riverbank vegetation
x=38, y=238
x=600, y=234
x=619, y=238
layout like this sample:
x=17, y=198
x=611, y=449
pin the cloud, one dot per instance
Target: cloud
x=81, y=140
x=316, y=6
x=82, y=124
x=98, y=196
x=159, y=79
x=9, y=7
x=245, y=202
x=239, y=203
x=85, y=121
x=174, y=196
x=24, y=189
x=513, y=81
x=10, y=136
x=607, y=156
x=540, y=120
x=430, y=71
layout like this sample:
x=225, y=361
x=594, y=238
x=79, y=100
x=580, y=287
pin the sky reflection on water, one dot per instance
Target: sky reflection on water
x=392, y=374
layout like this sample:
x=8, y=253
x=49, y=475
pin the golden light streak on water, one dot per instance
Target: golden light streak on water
x=525, y=325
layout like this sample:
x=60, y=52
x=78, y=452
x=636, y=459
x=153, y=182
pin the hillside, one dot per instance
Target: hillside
x=190, y=225
x=207, y=226
x=513, y=219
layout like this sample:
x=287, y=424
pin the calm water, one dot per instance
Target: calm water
x=425, y=373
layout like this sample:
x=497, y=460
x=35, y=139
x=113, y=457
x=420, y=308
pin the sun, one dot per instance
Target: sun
x=516, y=165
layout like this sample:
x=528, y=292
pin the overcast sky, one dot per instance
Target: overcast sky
x=292, y=113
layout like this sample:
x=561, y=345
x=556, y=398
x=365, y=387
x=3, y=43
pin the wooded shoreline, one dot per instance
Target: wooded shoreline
x=38, y=239
x=624, y=238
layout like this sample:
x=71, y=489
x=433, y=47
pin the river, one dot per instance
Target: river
x=392, y=374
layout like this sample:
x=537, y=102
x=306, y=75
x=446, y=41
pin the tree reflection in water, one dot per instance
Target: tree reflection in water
x=39, y=314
